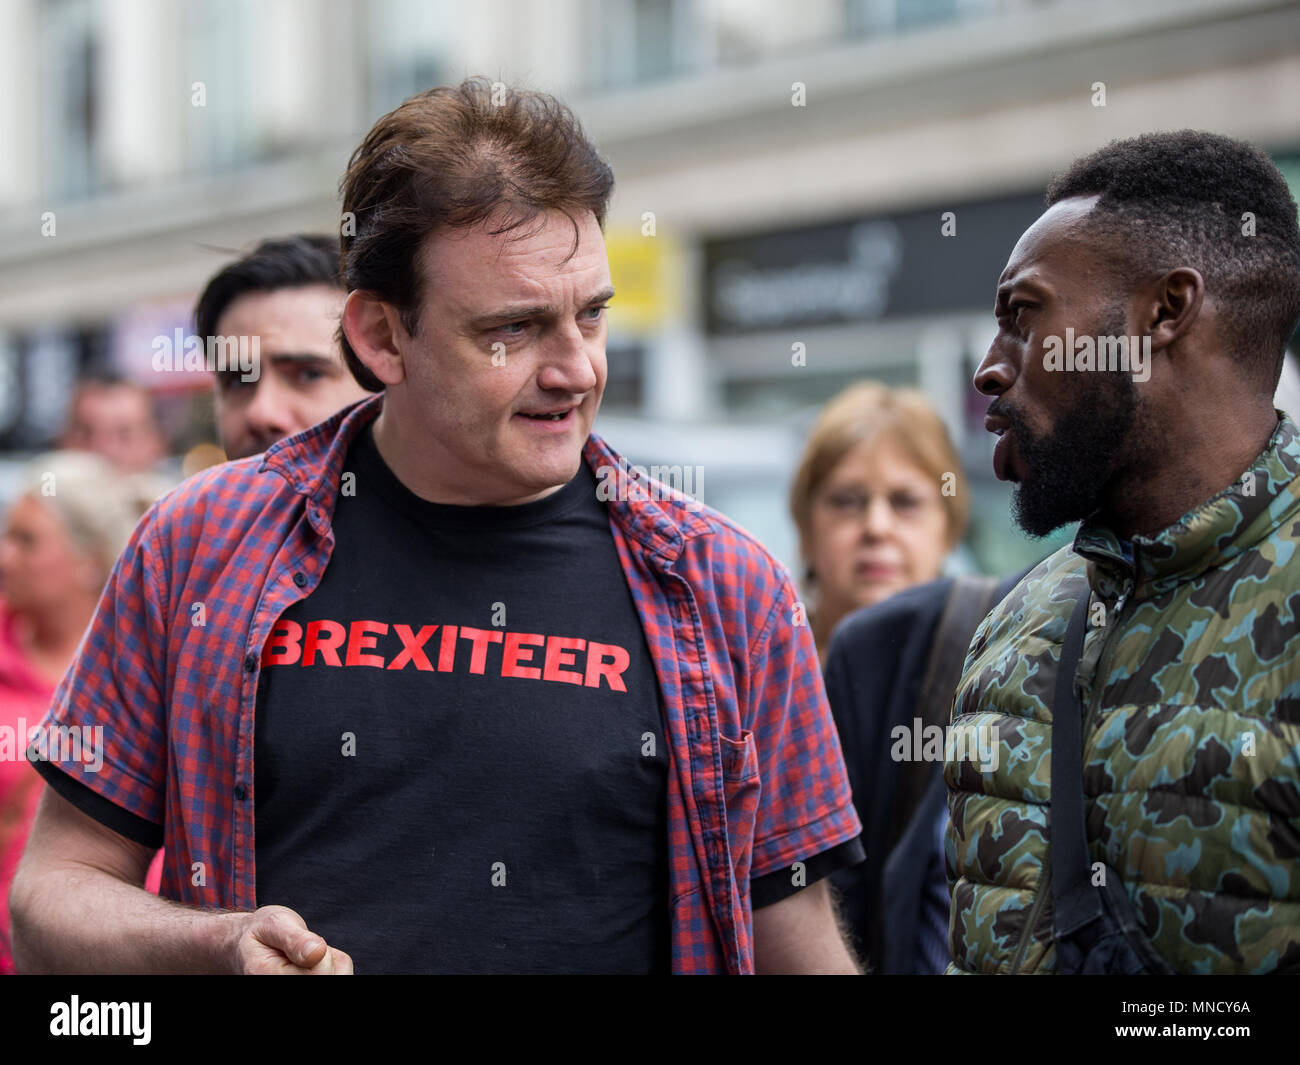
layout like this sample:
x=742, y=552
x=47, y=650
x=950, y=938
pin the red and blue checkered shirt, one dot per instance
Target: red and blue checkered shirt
x=169, y=668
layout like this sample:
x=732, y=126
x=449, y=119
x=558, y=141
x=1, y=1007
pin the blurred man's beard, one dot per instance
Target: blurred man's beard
x=1066, y=471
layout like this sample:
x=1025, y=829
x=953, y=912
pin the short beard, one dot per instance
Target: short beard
x=1067, y=470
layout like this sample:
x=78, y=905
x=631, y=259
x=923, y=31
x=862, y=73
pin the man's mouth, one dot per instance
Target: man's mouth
x=1001, y=427
x=1002, y=457
x=548, y=416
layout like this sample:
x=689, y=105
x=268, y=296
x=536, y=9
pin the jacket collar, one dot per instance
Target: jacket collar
x=657, y=517
x=1221, y=528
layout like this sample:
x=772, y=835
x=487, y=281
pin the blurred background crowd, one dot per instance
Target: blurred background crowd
x=809, y=195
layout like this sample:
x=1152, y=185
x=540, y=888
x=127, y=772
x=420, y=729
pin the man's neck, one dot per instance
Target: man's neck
x=419, y=472
x=1198, y=458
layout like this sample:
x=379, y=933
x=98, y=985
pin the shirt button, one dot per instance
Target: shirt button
x=240, y=793
x=250, y=663
x=300, y=579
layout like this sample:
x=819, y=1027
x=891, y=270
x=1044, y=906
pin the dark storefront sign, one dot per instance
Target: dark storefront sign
x=864, y=268
x=37, y=375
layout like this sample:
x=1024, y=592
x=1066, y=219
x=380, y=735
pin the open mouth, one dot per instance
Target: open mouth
x=548, y=416
x=1002, y=461
x=1003, y=467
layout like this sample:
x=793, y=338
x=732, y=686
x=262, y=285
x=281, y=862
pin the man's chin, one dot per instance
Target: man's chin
x=1038, y=518
x=547, y=451
x=541, y=479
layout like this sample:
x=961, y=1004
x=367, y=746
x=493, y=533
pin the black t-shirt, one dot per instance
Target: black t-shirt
x=460, y=762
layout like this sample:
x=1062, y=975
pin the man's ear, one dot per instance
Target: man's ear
x=1175, y=303
x=373, y=327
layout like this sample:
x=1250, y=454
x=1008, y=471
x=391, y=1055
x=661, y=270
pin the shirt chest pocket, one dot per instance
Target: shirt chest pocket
x=741, y=785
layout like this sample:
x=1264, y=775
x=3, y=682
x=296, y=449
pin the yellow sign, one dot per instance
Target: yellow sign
x=639, y=267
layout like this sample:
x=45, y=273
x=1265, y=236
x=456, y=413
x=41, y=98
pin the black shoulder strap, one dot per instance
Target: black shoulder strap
x=1068, y=838
x=1094, y=927
x=968, y=601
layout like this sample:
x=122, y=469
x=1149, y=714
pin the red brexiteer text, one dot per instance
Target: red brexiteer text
x=447, y=649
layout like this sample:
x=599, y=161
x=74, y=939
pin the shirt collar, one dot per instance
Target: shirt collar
x=312, y=461
x=657, y=516
x=1221, y=528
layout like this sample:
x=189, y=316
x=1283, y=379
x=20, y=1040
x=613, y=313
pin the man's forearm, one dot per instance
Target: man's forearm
x=74, y=918
x=827, y=956
x=802, y=935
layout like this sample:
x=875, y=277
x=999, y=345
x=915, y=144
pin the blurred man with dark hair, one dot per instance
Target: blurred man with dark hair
x=1145, y=681
x=116, y=420
x=286, y=292
x=466, y=695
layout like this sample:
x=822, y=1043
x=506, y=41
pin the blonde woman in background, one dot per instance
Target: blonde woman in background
x=879, y=500
x=58, y=542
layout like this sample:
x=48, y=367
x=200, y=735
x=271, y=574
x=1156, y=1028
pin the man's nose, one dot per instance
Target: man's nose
x=269, y=413
x=568, y=362
x=996, y=372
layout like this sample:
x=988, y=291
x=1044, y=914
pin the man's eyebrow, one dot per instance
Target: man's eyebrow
x=534, y=310
x=304, y=358
x=287, y=360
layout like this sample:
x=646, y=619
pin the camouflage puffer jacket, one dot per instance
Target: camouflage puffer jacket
x=1190, y=680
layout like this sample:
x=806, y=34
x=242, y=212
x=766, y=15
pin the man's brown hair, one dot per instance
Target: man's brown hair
x=453, y=157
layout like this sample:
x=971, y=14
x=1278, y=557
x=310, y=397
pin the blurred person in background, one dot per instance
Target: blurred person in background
x=117, y=420
x=879, y=499
x=286, y=292
x=60, y=537
x=891, y=672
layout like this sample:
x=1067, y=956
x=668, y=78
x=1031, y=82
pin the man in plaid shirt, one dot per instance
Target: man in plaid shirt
x=303, y=697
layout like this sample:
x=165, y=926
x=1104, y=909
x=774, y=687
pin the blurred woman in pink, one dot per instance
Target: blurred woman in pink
x=58, y=541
